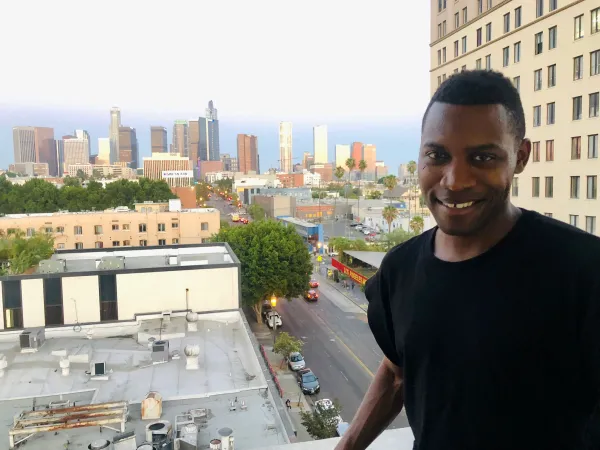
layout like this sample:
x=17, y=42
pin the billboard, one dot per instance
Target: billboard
x=357, y=277
x=166, y=174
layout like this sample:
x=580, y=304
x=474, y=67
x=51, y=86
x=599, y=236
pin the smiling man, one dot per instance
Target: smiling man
x=490, y=322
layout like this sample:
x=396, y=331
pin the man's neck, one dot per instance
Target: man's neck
x=460, y=248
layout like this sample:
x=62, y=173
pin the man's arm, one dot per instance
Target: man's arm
x=382, y=403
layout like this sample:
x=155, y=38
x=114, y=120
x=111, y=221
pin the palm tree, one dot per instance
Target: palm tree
x=339, y=174
x=390, y=214
x=412, y=168
x=417, y=224
x=362, y=166
x=390, y=183
x=350, y=164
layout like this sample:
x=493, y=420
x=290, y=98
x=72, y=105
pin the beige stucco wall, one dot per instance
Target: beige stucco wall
x=32, y=297
x=82, y=291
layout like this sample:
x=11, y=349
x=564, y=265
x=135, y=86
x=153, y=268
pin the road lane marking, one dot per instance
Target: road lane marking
x=328, y=355
x=345, y=377
x=376, y=352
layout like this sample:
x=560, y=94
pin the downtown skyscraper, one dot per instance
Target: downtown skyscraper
x=247, y=153
x=320, y=144
x=285, y=147
x=128, y=147
x=113, y=133
x=158, y=139
x=208, y=143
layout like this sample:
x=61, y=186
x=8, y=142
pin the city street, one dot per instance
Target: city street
x=339, y=347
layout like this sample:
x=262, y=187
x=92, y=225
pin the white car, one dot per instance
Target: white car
x=273, y=319
x=366, y=232
x=358, y=227
x=333, y=254
x=324, y=404
x=296, y=361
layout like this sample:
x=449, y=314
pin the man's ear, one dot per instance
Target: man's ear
x=523, y=153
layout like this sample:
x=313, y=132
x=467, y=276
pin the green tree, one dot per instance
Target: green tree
x=390, y=214
x=375, y=195
x=321, y=423
x=225, y=184
x=202, y=192
x=417, y=224
x=257, y=212
x=81, y=175
x=390, y=182
x=19, y=254
x=224, y=224
x=350, y=164
x=362, y=166
x=339, y=174
x=286, y=344
x=71, y=181
x=396, y=237
x=412, y=168
x=274, y=258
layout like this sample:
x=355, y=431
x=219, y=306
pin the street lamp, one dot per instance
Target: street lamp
x=274, y=304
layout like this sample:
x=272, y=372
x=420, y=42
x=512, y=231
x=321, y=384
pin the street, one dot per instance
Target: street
x=339, y=346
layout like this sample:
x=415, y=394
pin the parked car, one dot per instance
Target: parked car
x=296, y=361
x=325, y=404
x=308, y=382
x=333, y=254
x=273, y=319
x=311, y=295
x=313, y=283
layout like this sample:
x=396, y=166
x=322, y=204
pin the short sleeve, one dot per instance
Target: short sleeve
x=591, y=339
x=380, y=317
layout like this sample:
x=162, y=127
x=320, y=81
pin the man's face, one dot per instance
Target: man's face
x=467, y=160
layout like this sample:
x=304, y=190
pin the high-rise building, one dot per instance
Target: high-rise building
x=551, y=52
x=356, y=152
x=320, y=144
x=82, y=134
x=128, y=147
x=45, y=149
x=181, y=142
x=158, y=139
x=76, y=151
x=370, y=157
x=113, y=133
x=307, y=160
x=247, y=151
x=24, y=144
x=380, y=170
x=103, y=151
x=176, y=170
x=212, y=133
x=194, y=141
x=342, y=153
x=229, y=164
x=59, y=148
x=285, y=147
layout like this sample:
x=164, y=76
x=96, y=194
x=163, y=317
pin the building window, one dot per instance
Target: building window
x=553, y=5
x=456, y=20
x=464, y=44
x=143, y=243
x=539, y=43
x=535, y=186
x=439, y=81
x=107, y=287
x=594, y=104
x=552, y=38
x=489, y=4
x=595, y=14
x=13, y=304
x=550, y=113
x=479, y=6
x=126, y=243
x=518, y=17
x=443, y=77
x=48, y=230
x=174, y=224
x=590, y=224
x=479, y=37
x=60, y=246
x=552, y=75
x=573, y=220
x=592, y=188
x=548, y=215
x=125, y=227
x=537, y=80
x=162, y=227
x=116, y=243
x=444, y=28
x=488, y=32
x=441, y=5
x=578, y=67
x=478, y=64
x=463, y=68
x=505, y=56
x=517, y=52
x=575, y=187
x=439, y=29
x=77, y=230
x=464, y=15
x=162, y=242
x=579, y=33
x=576, y=147
x=142, y=227
x=537, y=116
x=594, y=63
x=174, y=241
x=455, y=49
x=205, y=240
x=204, y=226
x=535, y=151
x=550, y=150
x=115, y=227
x=439, y=53
x=577, y=108
x=515, y=187
x=488, y=62
x=30, y=232
x=53, y=301
x=97, y=229
x=539, y=8
x=456, y=70
x=78, y=245
x=517, y=83
x=60, y=230
x=507, y=22
x=593, y=146
x=444, y=54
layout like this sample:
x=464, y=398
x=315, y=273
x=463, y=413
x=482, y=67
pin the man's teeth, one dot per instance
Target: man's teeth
x=458, y=205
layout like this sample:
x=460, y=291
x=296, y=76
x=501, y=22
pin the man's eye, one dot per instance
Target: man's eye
x=437, y=155
x=483, y=158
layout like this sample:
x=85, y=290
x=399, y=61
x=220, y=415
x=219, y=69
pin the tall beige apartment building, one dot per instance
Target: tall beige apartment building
x=150, y=224
x=550, y=49
x=176, y=170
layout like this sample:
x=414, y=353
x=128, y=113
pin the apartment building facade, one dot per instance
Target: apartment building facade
x=148, y=225
x=550, y=49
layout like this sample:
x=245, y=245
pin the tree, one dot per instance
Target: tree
x=225, y=184
x=274, y=258
x=257, y=212
x=412, y=168
x=374, y=195
x=19, y=254
x=390, y=183
x=362, y=166
x=350, y=164
x=339, y=174
x=396, y=237
x=286, y=344
x=321, y=423
x=417, y=224
x=390, y=214
x=202, y=193
x=81, y=175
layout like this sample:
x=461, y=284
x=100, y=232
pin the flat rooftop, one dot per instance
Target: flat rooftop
x=302, y=223
x=371, y=258
x=229, y=371
x=110, y=210
x=139, y=258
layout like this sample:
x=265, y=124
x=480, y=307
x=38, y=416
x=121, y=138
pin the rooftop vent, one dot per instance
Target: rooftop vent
x=31, y=340
x=160, y=351
x=159, y=431
x=100, y=444
x=98, y=371
x=125, y=441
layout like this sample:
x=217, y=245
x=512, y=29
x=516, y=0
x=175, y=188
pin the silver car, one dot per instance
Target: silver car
x=296, y=361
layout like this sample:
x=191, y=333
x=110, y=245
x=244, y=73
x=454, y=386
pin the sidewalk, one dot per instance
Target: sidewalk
x=356, y=295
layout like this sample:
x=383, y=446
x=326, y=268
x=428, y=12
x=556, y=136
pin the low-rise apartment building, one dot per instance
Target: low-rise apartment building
x=150, y=224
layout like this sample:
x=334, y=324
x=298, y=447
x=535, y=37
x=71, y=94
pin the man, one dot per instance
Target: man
x=490, y=322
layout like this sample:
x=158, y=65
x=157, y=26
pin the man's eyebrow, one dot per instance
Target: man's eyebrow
x=434, y=145
x=483, y=147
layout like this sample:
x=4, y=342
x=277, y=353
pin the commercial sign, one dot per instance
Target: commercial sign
x=166, y=174
x=357, y=277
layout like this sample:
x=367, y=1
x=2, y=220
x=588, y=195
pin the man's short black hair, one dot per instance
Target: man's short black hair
x=482, y=87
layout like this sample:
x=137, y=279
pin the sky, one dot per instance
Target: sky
x=359, y=67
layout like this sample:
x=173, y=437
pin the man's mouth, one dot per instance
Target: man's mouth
x=462, y=205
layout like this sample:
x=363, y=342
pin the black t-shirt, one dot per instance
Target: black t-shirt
x=501, y=351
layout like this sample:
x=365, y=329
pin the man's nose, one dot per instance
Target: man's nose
x=458, y=176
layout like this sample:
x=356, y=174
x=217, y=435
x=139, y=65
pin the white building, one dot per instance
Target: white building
x=212, y=177
x=311, y=179
x=320, y=144
x=76, y=151
x=342, y=153
x=285, y=147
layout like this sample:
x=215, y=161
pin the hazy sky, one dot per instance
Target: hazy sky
x=360, y=67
